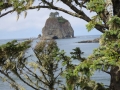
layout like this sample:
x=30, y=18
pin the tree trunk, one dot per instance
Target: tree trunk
x=115, y=79
x=116, y=7
x=51, y=87
x=52, y=78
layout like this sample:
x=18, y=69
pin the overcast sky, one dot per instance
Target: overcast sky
x=32, y=25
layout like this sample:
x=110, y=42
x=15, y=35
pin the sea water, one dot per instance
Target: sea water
x=67, y=45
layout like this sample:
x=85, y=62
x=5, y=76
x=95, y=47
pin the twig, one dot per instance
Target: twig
x=6, y=13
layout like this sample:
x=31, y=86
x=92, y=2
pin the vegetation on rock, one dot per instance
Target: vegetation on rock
x=61, y=20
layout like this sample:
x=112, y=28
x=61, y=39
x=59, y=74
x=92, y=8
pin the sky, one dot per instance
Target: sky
x=31, y=26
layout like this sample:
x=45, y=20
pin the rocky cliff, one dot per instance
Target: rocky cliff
x=57, y=27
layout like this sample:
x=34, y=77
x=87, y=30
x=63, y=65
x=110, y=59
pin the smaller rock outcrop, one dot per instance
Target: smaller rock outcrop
x=39, y=35
x=57, y=27
x=90, y=41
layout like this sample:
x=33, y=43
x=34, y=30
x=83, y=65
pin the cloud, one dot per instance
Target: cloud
x=34, y=22
x=34, y=19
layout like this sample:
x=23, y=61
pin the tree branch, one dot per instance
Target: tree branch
x=36, y=76
x=80, y=4
x=7, y=76
x=106, y=72
x=79, y=13
x=6, y=13
x=17, y=74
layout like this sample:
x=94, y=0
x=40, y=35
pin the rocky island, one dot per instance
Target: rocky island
x=57, y=27
x=90, y=41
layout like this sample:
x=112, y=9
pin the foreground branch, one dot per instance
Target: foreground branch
x=6, y=13
x=78, y=14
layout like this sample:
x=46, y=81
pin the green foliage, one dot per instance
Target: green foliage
x=12, y=50
x=114, y=22
x=48, y=55
x=95, y=20
x=45, y=71
x=77, y=54
x=106, y=57
x=18, y=5
x=49, y=62
x=12, y=58
x=90, y=26
x=61, y=20
x=96, y=5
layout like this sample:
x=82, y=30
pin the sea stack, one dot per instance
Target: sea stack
x=57, y=27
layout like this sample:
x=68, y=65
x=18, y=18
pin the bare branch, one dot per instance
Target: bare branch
x=17, y=74
x=6, y=13
x=80, y=4
x=106, y=72
x=36, y=76
x=78, y=13
x=7, y=76
x=58, y=74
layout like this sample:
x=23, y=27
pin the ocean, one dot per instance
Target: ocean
x=67, y=45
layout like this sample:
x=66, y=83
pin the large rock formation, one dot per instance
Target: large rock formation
x=57, y=27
